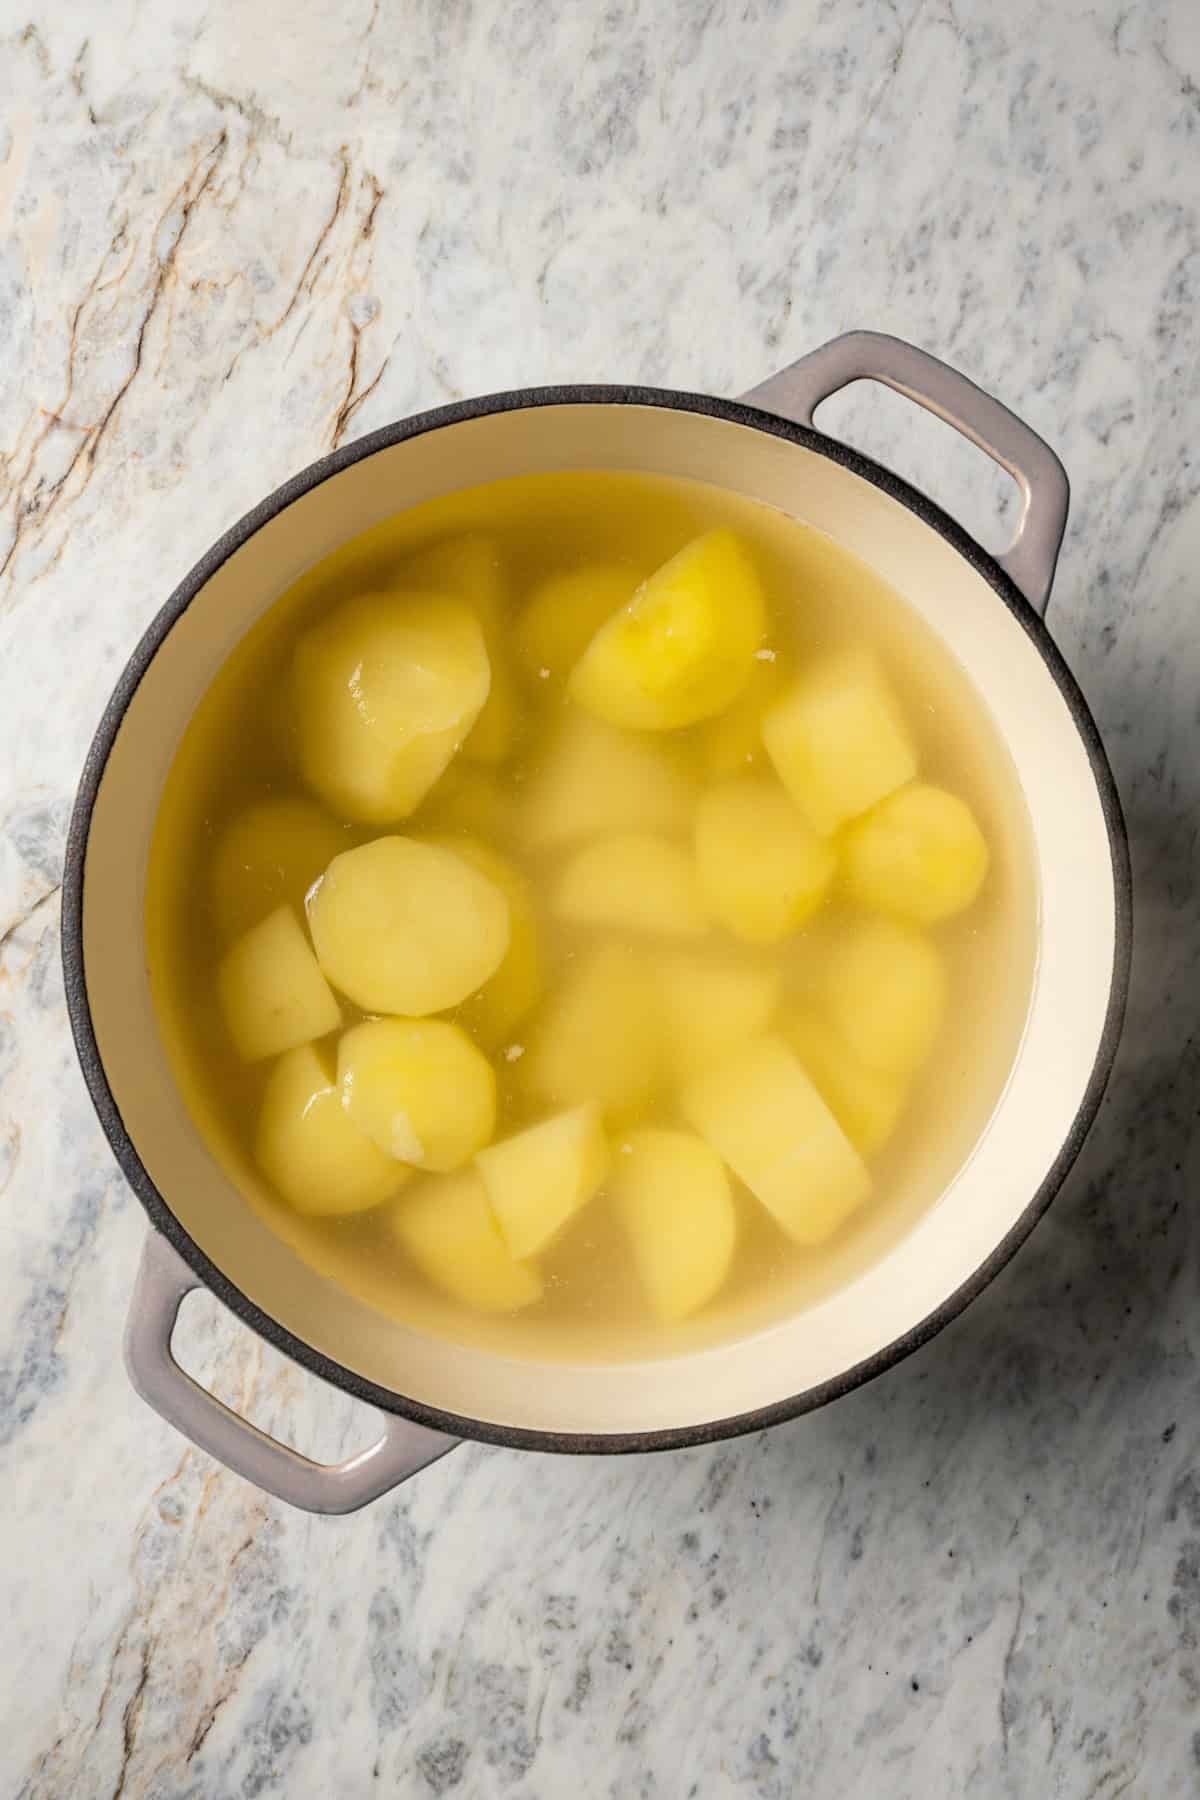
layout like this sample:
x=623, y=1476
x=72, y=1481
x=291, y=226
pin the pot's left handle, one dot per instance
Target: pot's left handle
x=162, y=1282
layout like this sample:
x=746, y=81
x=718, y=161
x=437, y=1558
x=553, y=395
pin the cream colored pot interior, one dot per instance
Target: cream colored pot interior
x=1027, y=1129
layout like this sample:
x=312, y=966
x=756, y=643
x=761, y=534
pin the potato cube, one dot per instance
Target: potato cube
x=596, y=779
x=732, y=742
x=918, y=855
x=885, y=992
x=761, y=1113
x=599, y=1037
x=472, y=569
x=419, y=1089
x=511, y=994
x=309, y=1150
x=683, y=647
x=866, y=1103
x=673, y=1198
x=385, y=691
x=562, y=615
x=540, y=1178
x=635, y=882
x=711, y=1008
x=270, y=853
x=839, y=740
x=272, y=993
x=406, y=927
x=762, y=870
x=448, y=1230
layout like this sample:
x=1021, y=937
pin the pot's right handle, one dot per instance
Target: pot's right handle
x=796, y=392
x=162, y=1283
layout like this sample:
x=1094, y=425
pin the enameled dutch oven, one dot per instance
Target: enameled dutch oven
x=987, y=609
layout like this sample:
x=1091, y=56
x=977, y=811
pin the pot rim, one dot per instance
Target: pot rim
x=158, y=1209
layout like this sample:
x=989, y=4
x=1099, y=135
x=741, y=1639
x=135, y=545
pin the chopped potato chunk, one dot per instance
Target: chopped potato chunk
x=674, y=1200
x=711, y=1008
x=598, y=1037
x=272, y=993
x=636, y=882
x=540, y=1178
x=310, y=1151
x=682, y=649
x=866, y=1102
x=562, y=615
x=385, y=691
x=511, y=994
x=407, y=927
x=762, y=870
x=270, y=853
x=472, y=569
x=419, y=1089
x=596, y=779
x=918, y=855
x=449, y=1231
x=761, y=1112
x=885, y=991
x=839, y=740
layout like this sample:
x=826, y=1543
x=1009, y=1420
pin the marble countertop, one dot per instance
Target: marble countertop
x=231, y=237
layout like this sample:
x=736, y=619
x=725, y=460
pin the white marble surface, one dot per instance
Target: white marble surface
x=231, y=236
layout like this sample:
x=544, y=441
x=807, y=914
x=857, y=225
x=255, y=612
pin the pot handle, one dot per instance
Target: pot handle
x=162, y=1282
x=797, y=391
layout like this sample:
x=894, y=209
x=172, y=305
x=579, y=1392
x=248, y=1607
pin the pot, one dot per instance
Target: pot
x=987, y=609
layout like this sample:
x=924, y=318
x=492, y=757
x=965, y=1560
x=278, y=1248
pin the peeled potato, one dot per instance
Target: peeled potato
x=561, y=617
x=511, y=994
x=918, y=855
x=472, y=569
x=540, y=1178
x=839, y=741
x=635, y=882
x=272, y=993
x=673, y=1198
x=407, y=927
x=596, y=779
x=271, y=852
x=761, y=1112
x=309, y=1149
x=866, y=1102
x=448, y=1230
x=683, y=647
x=419, y=1089
x=885, y=992
x=762, y=869
x=732, y=742
x=598, y=1037
x=385, y=691
x=709, y=1009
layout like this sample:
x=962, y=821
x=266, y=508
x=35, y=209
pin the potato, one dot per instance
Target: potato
x=884, y=988
x=635, y=882
x=419, y=1089
x=595, y=780
x=447, y=1229
x=760, y=1111
x=561, y=617
x=540, y=1178
x=511, y=994
x=598, y=1037
x=472, y=569
x=406, y=927
x=732, y=742
x=918, y=855
x=473, y=801
x=273, y=851
x=839, y=740
x=385, y=691
x=673, y=1198
x=272, y=994
x=866, y=1103
x=683, y=647
x=762, y=870
x=710, y=1008
x=308, y=1148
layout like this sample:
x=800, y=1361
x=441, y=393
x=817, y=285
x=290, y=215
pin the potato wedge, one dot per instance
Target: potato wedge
x=711, y=1008
x=310, y=1151
x=675, y=1203
x=598, y=1037
x=419, y=1089
x=884, y=987
x=446, y=1227
x=838, y=740
x=540, y=1178
x=919, y=855
x=270, y=854
x=762, y=870
x=272, y=993
x=562, y=615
